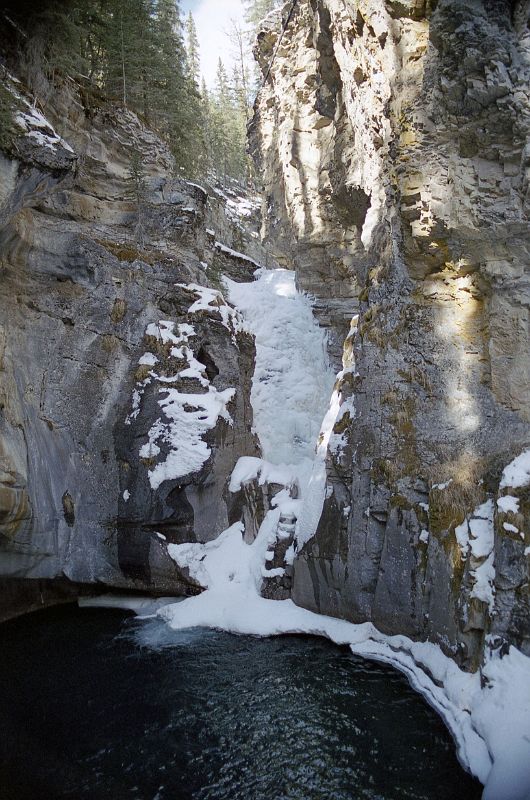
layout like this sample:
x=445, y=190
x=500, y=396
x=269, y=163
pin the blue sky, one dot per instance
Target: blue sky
x=213, y=18
x=189, y=5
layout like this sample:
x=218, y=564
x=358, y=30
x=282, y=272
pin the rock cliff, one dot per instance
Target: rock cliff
x=393, y=143
x=115, y=343
x=393, y=138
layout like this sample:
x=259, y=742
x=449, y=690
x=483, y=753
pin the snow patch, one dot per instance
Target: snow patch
x=462, y=537
x=442, y=486
x=235, y=254
x=238, y=206
x=189, y=417
x=510, y=528
x=517, y=473
x=481, y=528
x=481, y=542
x=148, y=359
x=37, y=127
x=164, y=331
x=211, y=301
x=508, y=504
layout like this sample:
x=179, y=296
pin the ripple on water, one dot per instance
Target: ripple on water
x=119, y=708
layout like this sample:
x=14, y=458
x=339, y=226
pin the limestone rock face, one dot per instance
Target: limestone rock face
x=394, y=140
x=92, y=272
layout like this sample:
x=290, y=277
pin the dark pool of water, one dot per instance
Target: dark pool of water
x=94, y=704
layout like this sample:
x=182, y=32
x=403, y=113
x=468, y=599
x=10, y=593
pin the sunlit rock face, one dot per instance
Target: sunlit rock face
x=394, y=139
x=94, y=278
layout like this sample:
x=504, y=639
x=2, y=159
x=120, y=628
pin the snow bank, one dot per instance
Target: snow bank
x=491, y=725
x=501, y=715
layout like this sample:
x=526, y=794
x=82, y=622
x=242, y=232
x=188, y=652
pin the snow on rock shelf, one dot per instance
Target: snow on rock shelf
x=210, y=301
x=222, y=248
x=39, y=129
x=187, y=415
x=39, y=141
x=239, y=206
x=250, y=468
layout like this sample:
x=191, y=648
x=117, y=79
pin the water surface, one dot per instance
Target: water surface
x=95, y=704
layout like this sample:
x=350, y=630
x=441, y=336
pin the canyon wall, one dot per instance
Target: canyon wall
x=393, y=137
x=115, y=344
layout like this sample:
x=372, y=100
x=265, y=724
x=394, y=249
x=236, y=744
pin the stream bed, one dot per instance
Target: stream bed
x=97, y=704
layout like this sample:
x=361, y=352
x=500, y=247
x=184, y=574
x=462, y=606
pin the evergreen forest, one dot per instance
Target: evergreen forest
x=143, y=55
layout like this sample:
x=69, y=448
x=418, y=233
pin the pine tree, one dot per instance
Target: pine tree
x=220, y=111
x=52, y=47
x=192, y=49
x=206, y=107
x=129, y=46
x=170, y=80
x=241, y=72
x=228, y=127
x=197, y=157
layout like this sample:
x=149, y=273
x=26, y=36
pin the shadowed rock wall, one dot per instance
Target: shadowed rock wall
x=88, y=263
